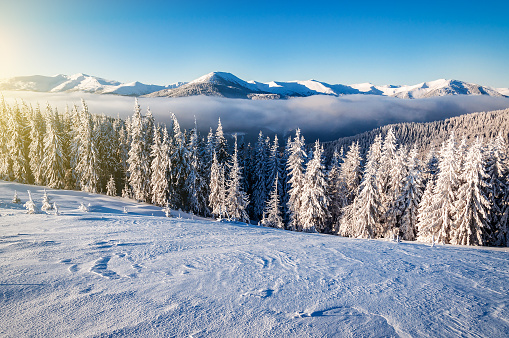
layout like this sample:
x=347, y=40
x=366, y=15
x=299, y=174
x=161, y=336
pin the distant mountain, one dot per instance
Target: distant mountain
x=227, y=85
x=79, y=82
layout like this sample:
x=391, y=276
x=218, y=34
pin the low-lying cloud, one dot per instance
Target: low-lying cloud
x=323, y=117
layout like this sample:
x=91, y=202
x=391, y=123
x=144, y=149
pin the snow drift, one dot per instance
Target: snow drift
x=105, y=272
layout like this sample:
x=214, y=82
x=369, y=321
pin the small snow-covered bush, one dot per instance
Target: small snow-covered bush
x=46, y=205
x=16, y=199
x=30, y=205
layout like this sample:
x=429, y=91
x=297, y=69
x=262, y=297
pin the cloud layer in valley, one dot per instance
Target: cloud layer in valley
x=323, y=117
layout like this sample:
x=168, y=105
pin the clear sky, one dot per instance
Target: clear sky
x=161, y=42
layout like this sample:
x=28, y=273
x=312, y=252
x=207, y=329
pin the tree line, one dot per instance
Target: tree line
x=455, y=192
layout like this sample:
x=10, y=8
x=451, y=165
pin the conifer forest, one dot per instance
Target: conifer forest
x=441, y=182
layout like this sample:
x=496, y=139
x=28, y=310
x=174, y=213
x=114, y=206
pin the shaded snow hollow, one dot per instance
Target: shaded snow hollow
x=107, y=272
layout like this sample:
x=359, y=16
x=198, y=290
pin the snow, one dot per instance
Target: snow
x=105, y=272
x=86, y=83
x=503, y=91
x=80, y=82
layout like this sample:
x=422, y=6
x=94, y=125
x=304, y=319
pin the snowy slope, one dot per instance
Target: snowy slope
x=79, y=82
x=228, y=85
x=106, y=273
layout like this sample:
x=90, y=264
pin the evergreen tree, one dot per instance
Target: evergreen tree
x=36, y=148
x=274, y=165
x=111, y=188
x=361, y=219
x=272, y=216
x=179, y=167
x=295, y=171
x=441, y=220
x=217, y=189
x=407, y=205
x=87, y=167
x=197, y=201
x=335, y=193
x=260, y=177
x=471, y=219
x=138, y=163
x=159, y=168
x=221, y=146
x=498, y=171
x=236, y=198
x=314, y=202
x=17, y=144
x=53, y=163
x=350, y=175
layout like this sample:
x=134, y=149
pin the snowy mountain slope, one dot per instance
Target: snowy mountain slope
x=222, y=84
x=79, y=82
x=106, y=273
x=228, y=85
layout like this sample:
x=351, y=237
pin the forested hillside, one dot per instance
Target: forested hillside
x=444, y=182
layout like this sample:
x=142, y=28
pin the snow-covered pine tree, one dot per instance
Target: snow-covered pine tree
x=425, y=214
x=335, y=193
x=53, y=163
x=126, y=191
x=295, y=172
x=361, y=219
x=138, y=164
x=221, y=146
x=498, y=171
x=274, y=166
x=407, y=205
x=472, y=205
x=394, y=211
x=284, y=182
x=443, y=205
x=179, y=166
x=87, y=167
x=217, y=189
x=385, y=172
x=260, y=177
x=36, y=148
x=314, y=202
x=194, y=181
x=236, y=198
x=350, y=174
x=111, y=188
x=17, y=143
x=159, y=170
x=272, y=216
x=4, y=152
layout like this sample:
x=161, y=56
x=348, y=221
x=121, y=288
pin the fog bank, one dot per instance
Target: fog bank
x=323, y=117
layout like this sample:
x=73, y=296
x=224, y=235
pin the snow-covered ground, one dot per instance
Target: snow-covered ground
x=106, y=272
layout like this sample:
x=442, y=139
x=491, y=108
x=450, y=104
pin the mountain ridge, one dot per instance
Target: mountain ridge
x=223, y=84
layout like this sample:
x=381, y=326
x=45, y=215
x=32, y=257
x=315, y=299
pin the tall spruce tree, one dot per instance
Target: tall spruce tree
x=314, y=201
x=272, y=216
x=138, y=163
x=295, y=170
x=236, y=198
x=260, y=177
x=361, y=219
x=471, y=219
x=159, y=169
x=53, y=163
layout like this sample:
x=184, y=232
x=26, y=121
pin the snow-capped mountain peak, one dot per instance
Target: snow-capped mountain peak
x=224, y=84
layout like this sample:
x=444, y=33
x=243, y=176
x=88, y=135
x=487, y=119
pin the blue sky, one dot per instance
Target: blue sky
x=383, y=42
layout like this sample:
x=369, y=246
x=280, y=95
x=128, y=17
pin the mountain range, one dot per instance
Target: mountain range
x=222, y=84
